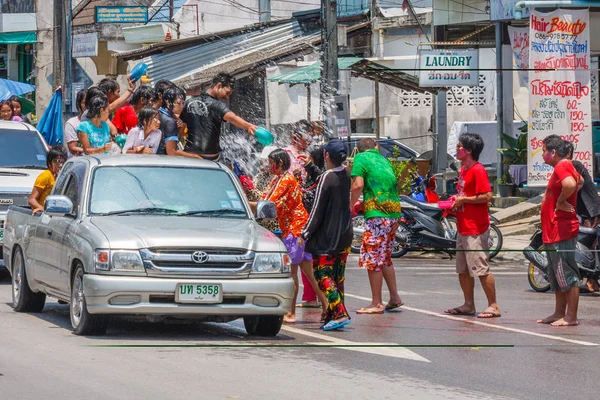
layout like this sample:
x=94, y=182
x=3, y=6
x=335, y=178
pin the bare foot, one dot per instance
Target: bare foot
x=564, y=322
x=462, y=310
x=550, y=319
x=290, y=318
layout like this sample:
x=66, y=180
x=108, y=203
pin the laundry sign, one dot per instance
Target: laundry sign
x=441, y=68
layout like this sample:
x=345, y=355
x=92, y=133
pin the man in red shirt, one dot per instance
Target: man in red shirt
x=560, y=228
x=473, y=220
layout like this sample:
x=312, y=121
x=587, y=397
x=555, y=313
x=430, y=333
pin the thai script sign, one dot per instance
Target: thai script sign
x=519, y=41
x=559, y=88
x=448, y=68
x=121, y=14
x=505, y=9
x=85, y=45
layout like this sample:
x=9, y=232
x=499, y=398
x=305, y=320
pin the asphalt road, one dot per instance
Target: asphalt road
x=415, y=353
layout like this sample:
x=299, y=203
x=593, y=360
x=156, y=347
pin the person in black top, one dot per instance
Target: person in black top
x=172, y=105
x=204, y=114
x=328, y=233
x=588, y=202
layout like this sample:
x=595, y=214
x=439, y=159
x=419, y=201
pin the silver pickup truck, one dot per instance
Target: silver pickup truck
x=149, y=235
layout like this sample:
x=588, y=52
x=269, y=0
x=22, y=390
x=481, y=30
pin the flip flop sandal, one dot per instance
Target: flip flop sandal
x=372, y=310
x=458, y=311
x=389, y=306
x=331, y=325
x=489, y=314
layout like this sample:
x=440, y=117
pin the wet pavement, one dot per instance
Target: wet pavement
x=415, y=353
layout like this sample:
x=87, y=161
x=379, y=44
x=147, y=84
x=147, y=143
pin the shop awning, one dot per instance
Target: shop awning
x=360, y=67
x=18, y=37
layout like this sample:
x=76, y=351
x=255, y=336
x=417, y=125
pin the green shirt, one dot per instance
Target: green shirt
x=381, y=188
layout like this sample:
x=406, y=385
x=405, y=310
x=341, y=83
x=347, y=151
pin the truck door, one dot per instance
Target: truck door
x=37, y=251
x=60, y=230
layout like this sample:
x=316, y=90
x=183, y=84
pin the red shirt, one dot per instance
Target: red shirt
x=559, y=225
x=125, y=119
x=473, y=219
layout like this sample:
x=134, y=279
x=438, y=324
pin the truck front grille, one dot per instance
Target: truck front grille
x=181, y=262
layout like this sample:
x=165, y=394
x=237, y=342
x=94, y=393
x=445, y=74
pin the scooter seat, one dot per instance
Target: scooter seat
x=423, y=206
x=584, y=230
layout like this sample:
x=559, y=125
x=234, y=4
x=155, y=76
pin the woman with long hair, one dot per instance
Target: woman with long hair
x=17, y=104
x=145, y=137
x=285, y=192
x=94, y=134
x=7, y=112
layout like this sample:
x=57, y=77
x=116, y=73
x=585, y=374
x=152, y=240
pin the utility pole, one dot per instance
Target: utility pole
x=329, y=65
x=57, y=45
x=499, y=97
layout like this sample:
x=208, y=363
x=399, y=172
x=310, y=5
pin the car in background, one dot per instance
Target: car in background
x=386, y=146
x=22, y=158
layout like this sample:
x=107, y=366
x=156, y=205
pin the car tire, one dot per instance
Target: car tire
x=24, y=299
x=82, y=321
x=263, y=325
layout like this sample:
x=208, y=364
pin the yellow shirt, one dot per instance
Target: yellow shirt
x=44, y=182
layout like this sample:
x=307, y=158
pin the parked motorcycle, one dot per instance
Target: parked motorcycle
x=586, y=256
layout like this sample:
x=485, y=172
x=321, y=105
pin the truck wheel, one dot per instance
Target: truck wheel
x=82, y=321
x=24, y=299
x=263, y=325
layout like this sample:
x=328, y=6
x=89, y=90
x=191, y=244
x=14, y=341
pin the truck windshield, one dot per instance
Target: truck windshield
x=22, y=149
x=198, y=192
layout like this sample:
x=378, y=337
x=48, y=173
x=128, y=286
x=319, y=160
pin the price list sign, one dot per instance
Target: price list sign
x=559, y=87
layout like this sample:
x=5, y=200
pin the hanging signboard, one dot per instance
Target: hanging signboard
x=85, y=45
x=121, y=14
x=519, y=41
x=560, y=96
x=505, y=10
x=442, y=68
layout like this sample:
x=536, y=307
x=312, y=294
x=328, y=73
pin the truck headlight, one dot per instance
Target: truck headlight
x=126, y=261
x=271, y=263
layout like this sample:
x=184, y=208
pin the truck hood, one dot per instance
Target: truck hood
x=158, y=231
x=18, y=180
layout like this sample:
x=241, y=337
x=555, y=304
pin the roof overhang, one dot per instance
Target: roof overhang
x=360, y=67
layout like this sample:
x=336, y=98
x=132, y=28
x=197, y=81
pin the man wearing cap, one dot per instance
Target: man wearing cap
x=205, y=113
x=328, y=233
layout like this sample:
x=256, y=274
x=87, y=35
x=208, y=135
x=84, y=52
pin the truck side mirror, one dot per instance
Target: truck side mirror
x=58, y=206
x=266, y=210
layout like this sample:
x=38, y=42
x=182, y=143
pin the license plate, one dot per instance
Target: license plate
x=198, y=293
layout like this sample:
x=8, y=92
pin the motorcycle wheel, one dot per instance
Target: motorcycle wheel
x=357, y=222
x=537, y=279
x=400, y=248
x=495, y=239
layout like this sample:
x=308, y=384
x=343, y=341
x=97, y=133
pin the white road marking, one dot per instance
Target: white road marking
x=396, y=352
x=474, y=322
x=493, y=273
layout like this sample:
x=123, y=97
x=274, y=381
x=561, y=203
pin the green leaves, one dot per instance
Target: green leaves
x=516, y=153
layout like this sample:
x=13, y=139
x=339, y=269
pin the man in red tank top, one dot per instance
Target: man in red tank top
x=560, y=228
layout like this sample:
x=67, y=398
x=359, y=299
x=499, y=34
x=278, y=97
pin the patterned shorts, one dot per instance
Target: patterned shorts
x=377, y=243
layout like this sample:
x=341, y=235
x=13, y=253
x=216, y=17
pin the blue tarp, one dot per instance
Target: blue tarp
x=51, y=125
x=9, y=88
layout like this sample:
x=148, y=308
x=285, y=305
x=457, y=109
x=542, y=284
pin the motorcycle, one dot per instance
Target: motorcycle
x=586, y=256
x=423, y=195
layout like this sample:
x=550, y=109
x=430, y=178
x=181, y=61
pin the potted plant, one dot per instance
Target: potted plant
x=505, y=187
x=515, y=154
